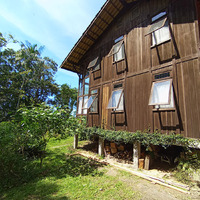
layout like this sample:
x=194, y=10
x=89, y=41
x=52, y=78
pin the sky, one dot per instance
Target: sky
x=55, y=24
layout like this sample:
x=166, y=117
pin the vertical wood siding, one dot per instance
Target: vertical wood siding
x=180, y=56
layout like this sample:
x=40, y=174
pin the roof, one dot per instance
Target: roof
x=99, y=24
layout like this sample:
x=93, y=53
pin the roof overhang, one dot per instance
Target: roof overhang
x=109, y=11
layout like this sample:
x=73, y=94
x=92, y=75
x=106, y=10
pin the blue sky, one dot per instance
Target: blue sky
x=55, y=24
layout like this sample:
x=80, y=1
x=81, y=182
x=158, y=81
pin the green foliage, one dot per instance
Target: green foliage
x=36, y=125
x=26, y=77
x=65, y=176
x=66, y=96
x=145, y=138
x=13, y=166
x=188, y=166
x=24, y=140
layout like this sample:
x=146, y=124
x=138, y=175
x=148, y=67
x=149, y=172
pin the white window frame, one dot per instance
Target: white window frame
x=170, y=101
x=157, y=29
x=94, y=64
x=80, y=104
x=116, y=108
x=95, y=95
x=117, y=48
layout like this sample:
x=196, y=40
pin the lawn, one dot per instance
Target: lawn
x=68, y=176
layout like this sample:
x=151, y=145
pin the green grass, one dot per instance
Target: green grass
x=70, y=177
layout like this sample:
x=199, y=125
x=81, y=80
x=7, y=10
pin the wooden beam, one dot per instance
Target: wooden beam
x=104, y=20
x=124, y=3
x=85, y=43
x=115, y=6
x=109, y=14
x=98, y=27
x=75, y=141
x=71, y=62
x=82, y=48
x=90, y=37
x=94, y=33
x=79, y=53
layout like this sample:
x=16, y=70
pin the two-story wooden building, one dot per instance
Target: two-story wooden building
x=138, y=66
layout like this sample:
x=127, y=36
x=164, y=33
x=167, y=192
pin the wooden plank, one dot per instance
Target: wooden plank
x=104, y=119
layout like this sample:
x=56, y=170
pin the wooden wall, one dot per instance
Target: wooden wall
x=180, y=56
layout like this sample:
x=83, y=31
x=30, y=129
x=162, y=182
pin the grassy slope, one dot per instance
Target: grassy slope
x=71, y=177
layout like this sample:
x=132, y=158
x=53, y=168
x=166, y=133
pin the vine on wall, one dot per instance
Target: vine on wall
x=145, y=138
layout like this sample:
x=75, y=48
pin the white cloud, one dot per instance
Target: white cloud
x=56, y=24
x=72, y=15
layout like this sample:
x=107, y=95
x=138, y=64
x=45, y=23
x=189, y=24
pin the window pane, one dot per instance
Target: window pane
x=120, y=54
x=160, y=93
x=119, y=38
x=96, y=66
x=80, y=88
x=85, y=100
x=161, y=35
x=157, y=25
x=86, y=91
x=171, y=104
x=94, y=91
x=121, y=104
x=94, y=106
x=80, y=102
x=158, y=16
x=93, y=63
x=117, y=47
x=114, y=100
x=90, y=101
x=87, y=80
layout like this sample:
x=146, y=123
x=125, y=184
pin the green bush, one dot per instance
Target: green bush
x=24, y=140
x=188, y=168
x=14, y=168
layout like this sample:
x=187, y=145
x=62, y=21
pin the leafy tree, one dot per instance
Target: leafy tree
x=66, y=96
x=26, y=78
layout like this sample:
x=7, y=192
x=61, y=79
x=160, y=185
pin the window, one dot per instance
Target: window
x=162, y=94
x=83, y=94
x=86, y=86
x=80, y=104
x=80, y=88
x=92, y=102
x=159, y=29
x=116, y=101
x=84, y=102
x=94, y=64
x=117, y=50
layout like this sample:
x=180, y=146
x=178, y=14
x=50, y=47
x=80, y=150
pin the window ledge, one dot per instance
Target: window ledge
x=96, y=70
x=95, y=113
x=163, y=109
x=155, y=45
x=117, y=112
x=114, y=62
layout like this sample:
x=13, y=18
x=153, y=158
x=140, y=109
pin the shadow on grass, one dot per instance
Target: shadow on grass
x=43, y=183
x=66, y=165
x=92, y=147
x=35, y=191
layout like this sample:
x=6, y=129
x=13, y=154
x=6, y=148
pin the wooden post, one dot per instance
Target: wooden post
x=75, y=141
x=136, y=154
x=147, y=162
x=101, y=147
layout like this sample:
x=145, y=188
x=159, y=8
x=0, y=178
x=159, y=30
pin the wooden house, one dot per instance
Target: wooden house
x=138, y=66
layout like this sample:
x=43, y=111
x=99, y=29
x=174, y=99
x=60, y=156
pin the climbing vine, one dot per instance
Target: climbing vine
x=145, y=138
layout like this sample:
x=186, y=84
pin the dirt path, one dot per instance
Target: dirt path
x=148, y=190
